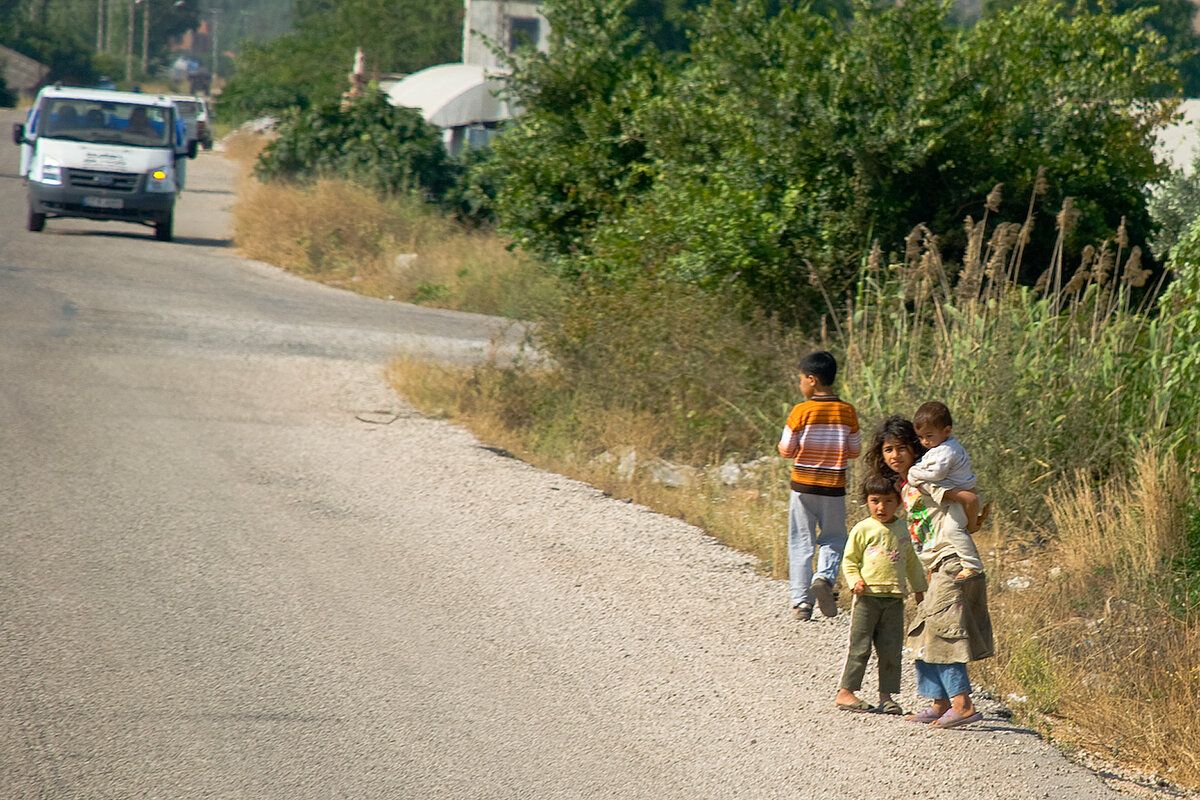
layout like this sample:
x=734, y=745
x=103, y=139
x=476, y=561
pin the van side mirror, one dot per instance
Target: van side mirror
x=18, y=133
x=193, y=147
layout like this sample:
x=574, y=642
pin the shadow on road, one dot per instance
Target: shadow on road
x=193, y=241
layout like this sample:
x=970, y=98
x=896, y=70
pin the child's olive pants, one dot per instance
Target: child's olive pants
x=877, y=621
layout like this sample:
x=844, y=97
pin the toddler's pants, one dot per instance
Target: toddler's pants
x=878, y=621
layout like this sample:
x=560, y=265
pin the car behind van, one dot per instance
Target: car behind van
x=196, y=117
x=104, y=155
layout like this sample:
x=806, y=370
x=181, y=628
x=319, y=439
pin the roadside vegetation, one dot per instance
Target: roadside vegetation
x=681, y=231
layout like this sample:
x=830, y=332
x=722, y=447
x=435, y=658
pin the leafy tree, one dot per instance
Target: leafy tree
x=68, y=56
x=1172, y=19
x=310, y=65
x=571, y=157
x=1174, y=207
x=385, y=147
x=793, y=140
x=62, y=33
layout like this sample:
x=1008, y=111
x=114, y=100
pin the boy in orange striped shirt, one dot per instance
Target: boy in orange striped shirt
x=821, y=436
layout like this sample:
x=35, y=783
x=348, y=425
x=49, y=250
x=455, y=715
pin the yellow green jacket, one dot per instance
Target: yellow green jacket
x=883, y=556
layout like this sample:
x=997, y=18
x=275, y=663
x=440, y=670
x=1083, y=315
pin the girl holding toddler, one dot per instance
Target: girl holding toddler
x=952, y=625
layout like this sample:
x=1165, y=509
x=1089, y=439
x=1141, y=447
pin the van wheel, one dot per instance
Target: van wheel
x=162, y=228
x=36, y=221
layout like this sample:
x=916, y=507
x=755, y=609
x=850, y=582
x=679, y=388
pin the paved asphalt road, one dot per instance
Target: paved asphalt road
x=234, y=565
x=162, y=633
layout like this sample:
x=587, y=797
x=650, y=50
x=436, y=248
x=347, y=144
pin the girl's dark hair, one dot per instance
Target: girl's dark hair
x=899, y=429
x=876, y=484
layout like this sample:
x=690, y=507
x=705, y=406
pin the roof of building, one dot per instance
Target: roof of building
x=21, y=71
x=450, y=95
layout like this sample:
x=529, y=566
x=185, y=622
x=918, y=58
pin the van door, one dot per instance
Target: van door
x=181, y=149
x=28, y=142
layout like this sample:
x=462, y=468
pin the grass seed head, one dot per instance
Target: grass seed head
x=994, y=197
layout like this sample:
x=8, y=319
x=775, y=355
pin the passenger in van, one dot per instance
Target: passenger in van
x=138, y=122
x=94, y=118
x=65, y=117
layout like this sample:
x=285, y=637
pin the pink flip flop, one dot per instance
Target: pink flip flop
x=952, y=719
x=925, y=717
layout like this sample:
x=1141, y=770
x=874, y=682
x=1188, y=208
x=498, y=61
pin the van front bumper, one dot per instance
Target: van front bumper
x=92, y=203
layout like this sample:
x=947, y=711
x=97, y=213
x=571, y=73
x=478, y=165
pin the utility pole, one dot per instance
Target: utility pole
x=129, y=44
x=145, y=35
x=99, y=26
x=216, y=53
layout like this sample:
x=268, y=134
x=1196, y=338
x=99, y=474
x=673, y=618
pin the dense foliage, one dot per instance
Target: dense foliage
x=795, y=139
x=387, y=148
x=1174, y=205
x=310, y=66
x=62, y=34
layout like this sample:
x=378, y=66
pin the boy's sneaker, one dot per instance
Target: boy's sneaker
x=802, y=611
x=822, y=589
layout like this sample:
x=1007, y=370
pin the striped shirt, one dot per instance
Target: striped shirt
x=822, y=436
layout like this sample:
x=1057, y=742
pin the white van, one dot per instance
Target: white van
x=106, y=155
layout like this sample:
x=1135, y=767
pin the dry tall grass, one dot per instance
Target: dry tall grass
x=394, y=247
x=1094, y=652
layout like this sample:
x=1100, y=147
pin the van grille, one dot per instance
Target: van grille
x=91, y=179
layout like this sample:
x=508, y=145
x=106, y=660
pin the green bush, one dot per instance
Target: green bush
x=787, y=139
x=715, y=382
x=387, y=148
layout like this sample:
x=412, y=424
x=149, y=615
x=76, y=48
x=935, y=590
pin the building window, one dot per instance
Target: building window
x=523, y=31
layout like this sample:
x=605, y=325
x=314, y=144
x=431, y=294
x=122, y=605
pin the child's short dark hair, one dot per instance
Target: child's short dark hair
x=933, y=413
x=821, y=364
x=878, y=485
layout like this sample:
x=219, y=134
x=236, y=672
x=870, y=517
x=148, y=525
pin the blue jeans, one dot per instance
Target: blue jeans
x=941, y=681
x=807, y=513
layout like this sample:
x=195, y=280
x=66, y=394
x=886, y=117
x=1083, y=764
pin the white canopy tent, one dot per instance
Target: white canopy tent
x=454, y=97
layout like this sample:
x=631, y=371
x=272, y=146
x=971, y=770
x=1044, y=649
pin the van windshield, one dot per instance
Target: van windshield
x=105, y=122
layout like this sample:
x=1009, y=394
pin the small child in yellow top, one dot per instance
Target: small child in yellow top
x=878, y=565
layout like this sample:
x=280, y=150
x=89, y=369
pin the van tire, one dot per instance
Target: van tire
x=163, y=226
x=36, y=221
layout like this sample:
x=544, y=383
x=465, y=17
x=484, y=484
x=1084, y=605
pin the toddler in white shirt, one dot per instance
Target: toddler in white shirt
x=946, y=466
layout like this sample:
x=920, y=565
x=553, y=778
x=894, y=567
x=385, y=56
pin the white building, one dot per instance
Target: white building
x=505, y=23
x=461, y=98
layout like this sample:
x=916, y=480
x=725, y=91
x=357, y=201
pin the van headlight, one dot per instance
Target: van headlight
x=160, y=179
x=51, y=173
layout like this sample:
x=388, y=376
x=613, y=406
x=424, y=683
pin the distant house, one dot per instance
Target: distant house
x=461, y=98
x=21, y=73
x=505, y=23
x=1178, y=144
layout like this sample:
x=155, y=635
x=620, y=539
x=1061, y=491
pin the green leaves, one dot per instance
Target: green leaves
x=387, y=148
x=787, y=138
x=310, y=65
